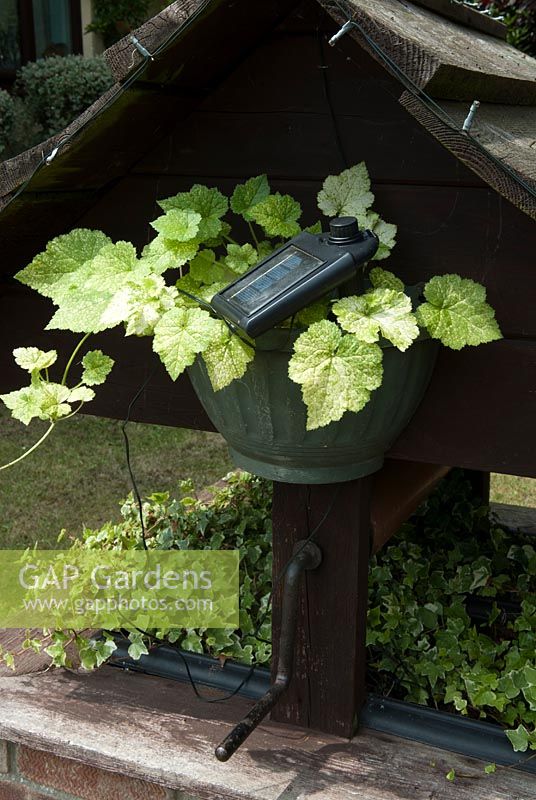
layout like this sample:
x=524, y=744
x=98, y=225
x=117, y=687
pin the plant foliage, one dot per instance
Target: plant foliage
x=425, y=647
x=97, y=284
x=57, y=89
x=237, y=517
x=519, y=16
x=113, y=19
x=7, y=119
x=423, y=644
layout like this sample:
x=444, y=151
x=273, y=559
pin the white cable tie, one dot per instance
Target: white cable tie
x=471, y=116
x=52, y=155
x=140, y=48
x=345, y=28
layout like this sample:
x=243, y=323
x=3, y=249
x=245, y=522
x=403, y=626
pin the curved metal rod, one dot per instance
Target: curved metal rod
x=307, y=557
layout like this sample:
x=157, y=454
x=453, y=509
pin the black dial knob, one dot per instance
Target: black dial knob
x=344, y=230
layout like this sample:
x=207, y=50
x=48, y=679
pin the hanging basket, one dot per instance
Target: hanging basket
x=263, y=418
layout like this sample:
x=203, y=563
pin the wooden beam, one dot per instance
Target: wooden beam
x=328, y=688
x=158, y=731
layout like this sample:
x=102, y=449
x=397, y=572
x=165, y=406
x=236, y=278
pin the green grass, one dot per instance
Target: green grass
x=79, y=475
x=510, y=489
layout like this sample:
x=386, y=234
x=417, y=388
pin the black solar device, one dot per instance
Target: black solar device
x=306, y=268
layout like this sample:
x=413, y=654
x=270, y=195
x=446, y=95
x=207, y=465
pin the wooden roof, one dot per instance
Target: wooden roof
x=449, y=62
x=444, y=58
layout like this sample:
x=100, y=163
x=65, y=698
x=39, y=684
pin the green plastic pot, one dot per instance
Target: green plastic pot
x=263, y=418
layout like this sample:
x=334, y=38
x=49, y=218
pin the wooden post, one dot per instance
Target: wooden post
x=480, y=481
x=328, y=688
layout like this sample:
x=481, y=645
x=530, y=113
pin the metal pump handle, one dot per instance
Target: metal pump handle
x=308, y=556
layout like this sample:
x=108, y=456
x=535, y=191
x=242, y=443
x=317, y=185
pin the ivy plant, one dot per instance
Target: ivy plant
x=424, y=643
x=97, y=284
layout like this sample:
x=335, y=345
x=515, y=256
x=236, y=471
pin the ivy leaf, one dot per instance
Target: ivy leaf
x=178, y=224
x=519, y=738
x=200, y=291
x=383, y=279
x=58, y=654
x=192, y=642
x=137, y=647
x=456, y=312
x=240, y=259
x=63, y=255
x=206, y=293
x=384, y=311
x=489, y=769
x=278, y=215
x=226, y=358
x=24, y=404
x=337, y=372
x=180, y=335
x=249, y=194
x=9, y=661
x=162, y=254
x=221, y=237
x=34, y=360
x=451, y=775
x=97, y=367
x=347, y=194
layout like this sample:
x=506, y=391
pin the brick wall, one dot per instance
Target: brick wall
x=27, y=774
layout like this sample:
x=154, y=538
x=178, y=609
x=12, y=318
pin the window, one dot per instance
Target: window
x=10, y=55
x=52, y=28
x=32, y=29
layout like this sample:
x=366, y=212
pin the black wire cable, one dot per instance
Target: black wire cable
x=264, y=617
x=127, y=453
x=327, y=96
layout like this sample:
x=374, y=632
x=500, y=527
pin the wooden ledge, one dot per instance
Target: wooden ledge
x=157, y=730
x=515, y=518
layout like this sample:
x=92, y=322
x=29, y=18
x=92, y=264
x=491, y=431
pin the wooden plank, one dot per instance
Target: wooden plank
x=300, y=145
x=479, y=411
x=23, y=318
x=27, y=662
x=167, y=736
x=435, y=52
x=275, y=109
x=441, y=229
x=328, y=689
x=515, y=518
x=517, y=187
x=507, y=132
